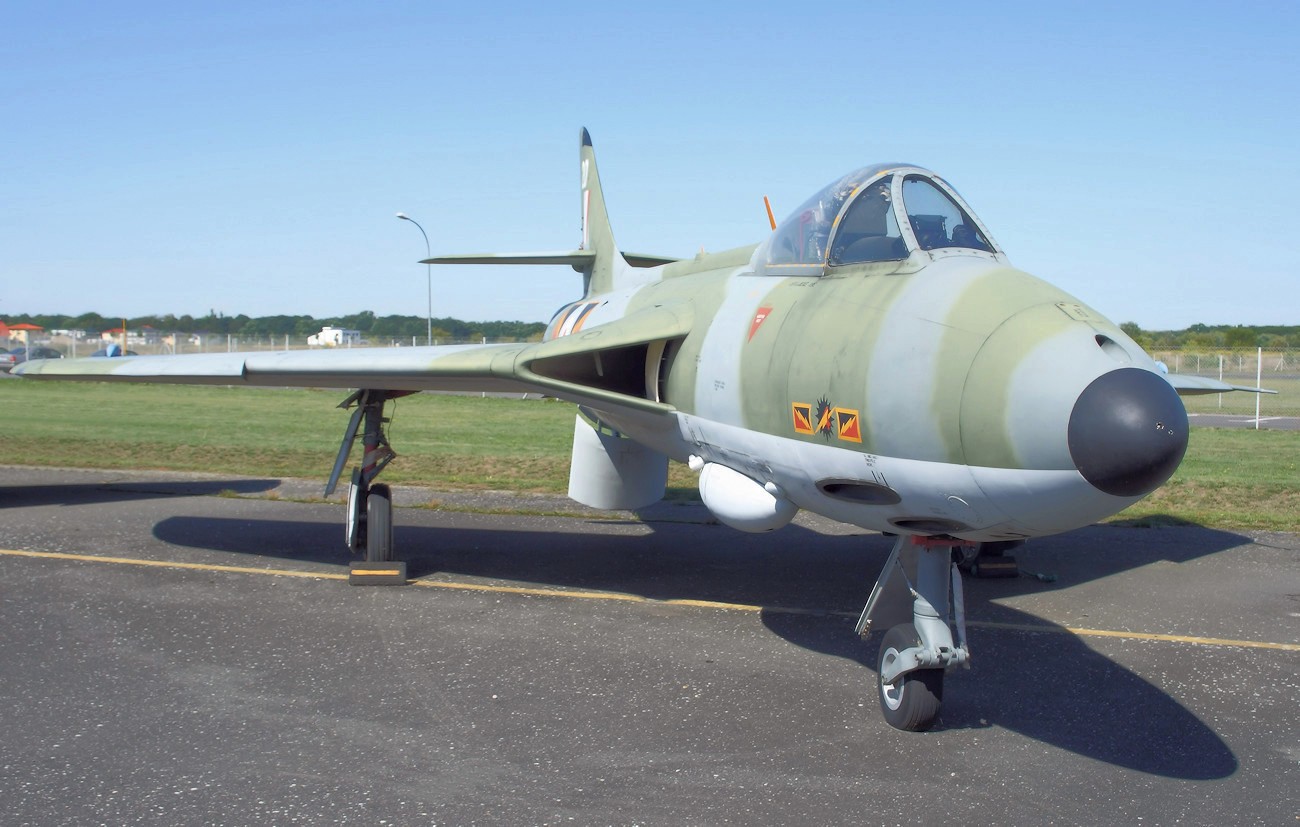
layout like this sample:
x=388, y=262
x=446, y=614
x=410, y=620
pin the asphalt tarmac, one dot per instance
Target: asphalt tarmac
x=558, y=669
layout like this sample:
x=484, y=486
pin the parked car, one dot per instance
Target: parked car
x=21, y=354
x=113, y=351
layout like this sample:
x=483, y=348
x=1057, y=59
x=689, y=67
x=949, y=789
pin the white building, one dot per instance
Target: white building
x=334, y=337
x=146, y=335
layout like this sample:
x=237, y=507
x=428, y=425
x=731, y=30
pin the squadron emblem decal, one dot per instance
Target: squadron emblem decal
x=826, y=420
x=847, y=426
x=802, y=417
x=823, y=414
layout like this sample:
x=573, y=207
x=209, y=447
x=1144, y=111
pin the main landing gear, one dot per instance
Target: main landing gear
x=370, y=506
x=924, y=638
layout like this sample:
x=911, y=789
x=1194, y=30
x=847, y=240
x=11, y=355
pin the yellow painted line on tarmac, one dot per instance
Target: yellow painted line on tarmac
x=1203, y=641
x=532, y=591
x=169, y=564
x=537, y=591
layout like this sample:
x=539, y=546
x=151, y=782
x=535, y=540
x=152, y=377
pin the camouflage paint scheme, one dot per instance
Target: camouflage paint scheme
x=930, y=393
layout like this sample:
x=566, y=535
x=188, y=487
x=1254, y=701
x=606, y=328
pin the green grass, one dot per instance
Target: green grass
x=464, y=442
x=1286, y=402
x=1230, y=478
x=458, y=441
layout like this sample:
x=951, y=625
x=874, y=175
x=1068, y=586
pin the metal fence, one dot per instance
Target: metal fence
x=232, y=343
x=1277, y=370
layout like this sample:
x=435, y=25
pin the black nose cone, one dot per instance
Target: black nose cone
x=1128, y=432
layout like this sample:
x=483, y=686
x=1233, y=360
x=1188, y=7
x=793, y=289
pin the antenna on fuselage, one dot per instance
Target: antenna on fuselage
x=771, y=219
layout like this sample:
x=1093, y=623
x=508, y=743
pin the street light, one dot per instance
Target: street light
x=428, y=269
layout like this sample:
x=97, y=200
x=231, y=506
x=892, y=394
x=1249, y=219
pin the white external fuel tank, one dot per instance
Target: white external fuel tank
x=740, y=501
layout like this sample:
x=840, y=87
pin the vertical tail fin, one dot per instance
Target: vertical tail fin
x=603, y=266
x=597, y=236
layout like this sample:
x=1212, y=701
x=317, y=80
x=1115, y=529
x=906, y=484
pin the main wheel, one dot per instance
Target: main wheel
x=379, y=524
x=912, y=701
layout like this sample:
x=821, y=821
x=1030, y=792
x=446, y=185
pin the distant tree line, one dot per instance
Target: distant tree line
x=375, y=328
x=1269, y=337
x=384, y=328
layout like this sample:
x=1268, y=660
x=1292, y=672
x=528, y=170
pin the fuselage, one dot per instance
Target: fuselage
x=937, y=391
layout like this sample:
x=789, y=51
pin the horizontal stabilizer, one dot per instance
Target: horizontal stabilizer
x=578, y=259
x=574, y=258
x=1197, y=385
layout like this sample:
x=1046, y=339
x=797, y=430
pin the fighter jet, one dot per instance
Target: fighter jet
x=876, y=359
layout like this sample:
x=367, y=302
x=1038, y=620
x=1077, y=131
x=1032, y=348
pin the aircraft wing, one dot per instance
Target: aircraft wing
x=604, y=368
x=449, y=367
x=1197, y=385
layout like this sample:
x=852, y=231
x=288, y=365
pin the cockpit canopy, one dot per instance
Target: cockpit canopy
x=877, y=214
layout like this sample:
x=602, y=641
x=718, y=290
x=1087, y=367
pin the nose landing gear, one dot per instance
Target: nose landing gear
x=923, y=640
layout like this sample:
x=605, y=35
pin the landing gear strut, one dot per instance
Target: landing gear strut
x=925, y=638
x=370, y=507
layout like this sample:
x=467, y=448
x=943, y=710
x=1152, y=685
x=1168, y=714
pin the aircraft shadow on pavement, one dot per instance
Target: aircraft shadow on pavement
x=1048, y=686
x=28, y=496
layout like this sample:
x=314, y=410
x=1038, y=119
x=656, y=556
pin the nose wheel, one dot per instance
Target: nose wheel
x=918, y=592
x=911, y=700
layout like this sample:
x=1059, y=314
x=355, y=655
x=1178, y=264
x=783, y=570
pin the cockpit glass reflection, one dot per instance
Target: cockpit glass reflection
x=869, y=231
x=937, y=221
x=802, y=238
x=856, y=220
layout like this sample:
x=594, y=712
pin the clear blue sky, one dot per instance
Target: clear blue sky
x=249, y=157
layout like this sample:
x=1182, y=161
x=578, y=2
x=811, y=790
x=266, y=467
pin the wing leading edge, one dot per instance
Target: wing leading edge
x=446, y=367
x=571, y=368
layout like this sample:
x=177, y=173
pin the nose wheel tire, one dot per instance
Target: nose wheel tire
x=912, y=701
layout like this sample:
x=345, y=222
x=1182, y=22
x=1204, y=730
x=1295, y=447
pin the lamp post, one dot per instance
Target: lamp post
x=428, y=270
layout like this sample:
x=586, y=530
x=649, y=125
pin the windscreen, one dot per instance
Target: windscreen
x=936, y=219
